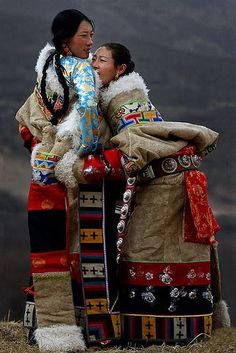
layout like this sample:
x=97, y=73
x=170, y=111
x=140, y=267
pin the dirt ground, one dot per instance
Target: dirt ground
x=13, y=339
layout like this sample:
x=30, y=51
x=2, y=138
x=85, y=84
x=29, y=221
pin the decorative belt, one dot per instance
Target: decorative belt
x=169, y=165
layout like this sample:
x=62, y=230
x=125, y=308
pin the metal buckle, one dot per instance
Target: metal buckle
x=148, y=173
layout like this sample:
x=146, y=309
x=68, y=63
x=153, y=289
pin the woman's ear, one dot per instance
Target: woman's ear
x=121, y=69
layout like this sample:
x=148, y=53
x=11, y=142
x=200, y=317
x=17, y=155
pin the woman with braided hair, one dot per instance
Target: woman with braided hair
x=59, y=115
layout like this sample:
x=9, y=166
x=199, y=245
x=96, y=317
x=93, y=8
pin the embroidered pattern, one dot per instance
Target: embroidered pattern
x=81, y=79
x=200, y=224
x=103, y=323
x=43, y=168
x=144, y=328
x=29, y=315
x=175, y=274
x=137, y=118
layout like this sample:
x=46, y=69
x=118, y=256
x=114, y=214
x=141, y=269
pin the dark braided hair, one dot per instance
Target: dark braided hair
x=56, y=114
x=121, y=55
x=64, y=26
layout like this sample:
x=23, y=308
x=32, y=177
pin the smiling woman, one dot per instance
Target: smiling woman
x=109, y=69
x=80, y=44
x=166, y=274
x=61, y=111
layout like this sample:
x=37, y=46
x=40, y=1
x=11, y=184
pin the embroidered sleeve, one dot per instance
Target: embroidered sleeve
x=84, y=86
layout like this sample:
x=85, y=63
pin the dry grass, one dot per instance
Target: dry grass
x=13, y=340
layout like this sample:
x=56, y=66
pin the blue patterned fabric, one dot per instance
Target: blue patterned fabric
x=81, y=79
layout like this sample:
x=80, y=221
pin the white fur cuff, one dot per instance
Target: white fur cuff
x=60, y=338
x=63, y=169
x=35, y=150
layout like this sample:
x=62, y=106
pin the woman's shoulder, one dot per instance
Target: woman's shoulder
x=124, y=85
x=72, y=62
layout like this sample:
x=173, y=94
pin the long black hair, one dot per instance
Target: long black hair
x=64, y=26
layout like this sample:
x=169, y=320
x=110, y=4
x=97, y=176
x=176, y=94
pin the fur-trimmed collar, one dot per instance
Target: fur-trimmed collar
x=123, y=84
x=43, y=55
x=70, y=126
x=51, y=79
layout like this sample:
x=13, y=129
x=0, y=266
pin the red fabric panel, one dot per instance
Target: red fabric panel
x=46, y=197
x=200, y=224
x=164, y=274
x=55, y=261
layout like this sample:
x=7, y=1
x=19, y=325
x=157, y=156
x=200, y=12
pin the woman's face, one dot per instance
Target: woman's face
x=103, y=63
x=80, y=44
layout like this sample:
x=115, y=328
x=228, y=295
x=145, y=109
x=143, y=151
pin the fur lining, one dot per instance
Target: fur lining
x=221, y=317
x=98, y=84
x=60, y=338
x=34, y=152
x=52, y=79
x=63, y=170
x=43, y=55
x=70, y=127
x=123, y=84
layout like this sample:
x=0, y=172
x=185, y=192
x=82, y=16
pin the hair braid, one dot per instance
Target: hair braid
x=56, y=114
x=62, y=80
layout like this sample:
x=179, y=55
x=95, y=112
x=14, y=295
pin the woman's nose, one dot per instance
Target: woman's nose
x=90, y=41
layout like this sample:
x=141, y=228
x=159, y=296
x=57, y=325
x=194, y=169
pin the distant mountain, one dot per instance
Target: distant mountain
x=184, y=49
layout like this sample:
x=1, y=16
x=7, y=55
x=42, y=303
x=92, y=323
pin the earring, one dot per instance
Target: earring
x=116, y=76
x=69, y=53
x=66, y=50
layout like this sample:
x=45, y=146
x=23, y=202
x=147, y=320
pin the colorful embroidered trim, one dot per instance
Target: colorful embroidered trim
x=104, y=326
x=160, y=329
x=138, y=118
x=96, y=306
x=91, y=235
x=100, y=324
x=44, y=167
x=162, y=274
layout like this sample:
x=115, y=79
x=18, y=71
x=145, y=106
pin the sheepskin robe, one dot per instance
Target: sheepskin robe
x=55, y=295
x=164, y=274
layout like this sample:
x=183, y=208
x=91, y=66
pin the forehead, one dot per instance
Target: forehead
x=85, y=27
x=103, y=51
